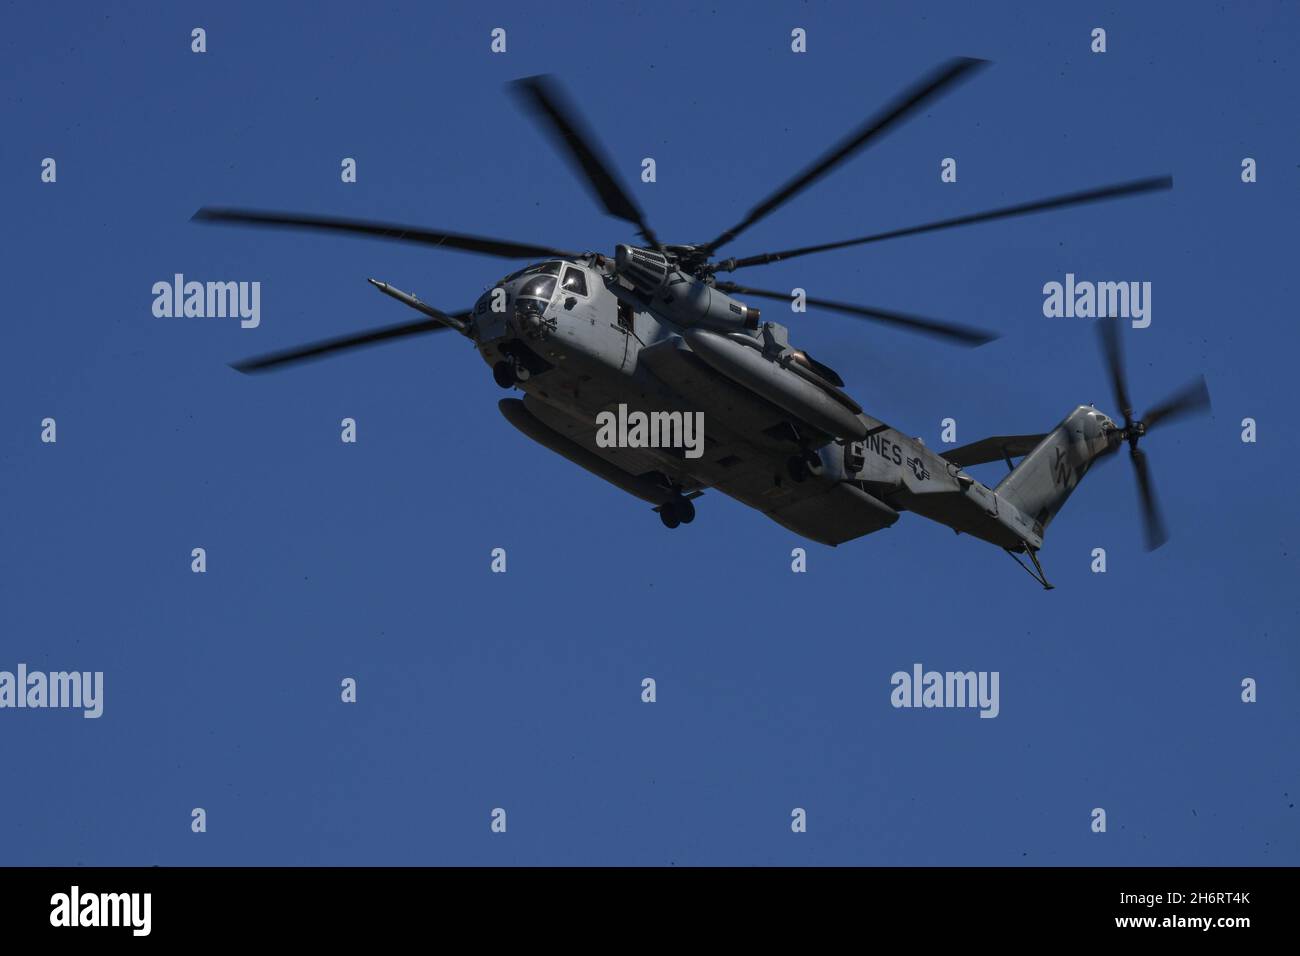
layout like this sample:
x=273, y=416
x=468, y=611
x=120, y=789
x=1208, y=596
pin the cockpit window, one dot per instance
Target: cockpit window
x=575, y=281
x=546, y=269
x=540, y=287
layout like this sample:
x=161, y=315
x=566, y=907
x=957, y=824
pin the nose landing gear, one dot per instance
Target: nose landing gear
x=503, y=373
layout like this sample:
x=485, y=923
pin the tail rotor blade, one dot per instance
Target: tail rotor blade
x=1114, y=354
x=1191, y=399
x=1154, y=524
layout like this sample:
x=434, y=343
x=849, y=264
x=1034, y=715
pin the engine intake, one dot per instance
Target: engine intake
x=646, y=269
x=681, y=297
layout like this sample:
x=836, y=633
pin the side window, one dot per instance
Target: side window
x=575, y=281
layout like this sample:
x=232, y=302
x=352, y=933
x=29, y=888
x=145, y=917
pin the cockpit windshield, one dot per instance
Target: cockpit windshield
x=539, y=287
x=545, y=269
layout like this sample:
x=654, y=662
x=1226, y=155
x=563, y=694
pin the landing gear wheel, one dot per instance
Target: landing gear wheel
x=685, y=509
x=668, y=515
x=503, y=373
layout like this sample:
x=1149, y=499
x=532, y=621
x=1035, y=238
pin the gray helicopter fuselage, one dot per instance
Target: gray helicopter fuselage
x=642, y=369
x=582, y=342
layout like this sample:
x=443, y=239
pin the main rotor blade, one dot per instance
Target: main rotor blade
x=1192, y=398
x=942, y=79
x=1082, y=198
x=484, y=245
x=1154, y=524
x=326, y=347
x=561, y=120
x=1108, y=330
x=963, y=334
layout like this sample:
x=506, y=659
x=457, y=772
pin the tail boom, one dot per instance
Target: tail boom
x=1041, y=484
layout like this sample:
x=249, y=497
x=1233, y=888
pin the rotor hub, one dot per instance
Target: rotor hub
x=1134, y=430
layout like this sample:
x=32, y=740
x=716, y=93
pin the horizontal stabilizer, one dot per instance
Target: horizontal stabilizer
x=995, y=448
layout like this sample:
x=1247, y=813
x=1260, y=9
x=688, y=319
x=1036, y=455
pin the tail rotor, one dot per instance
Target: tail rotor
x=1192, y=399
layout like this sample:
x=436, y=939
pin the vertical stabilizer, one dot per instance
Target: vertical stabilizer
x=1044, y=479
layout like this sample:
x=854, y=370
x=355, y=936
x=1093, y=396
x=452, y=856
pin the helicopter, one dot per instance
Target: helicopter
x=652, y=331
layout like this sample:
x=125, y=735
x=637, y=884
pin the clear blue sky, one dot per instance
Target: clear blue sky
x=522, y=690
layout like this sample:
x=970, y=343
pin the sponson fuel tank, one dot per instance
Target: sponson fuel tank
x=780, y=386
x=517, y=414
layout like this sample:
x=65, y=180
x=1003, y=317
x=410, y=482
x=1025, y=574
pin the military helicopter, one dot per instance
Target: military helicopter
x=653, y=330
